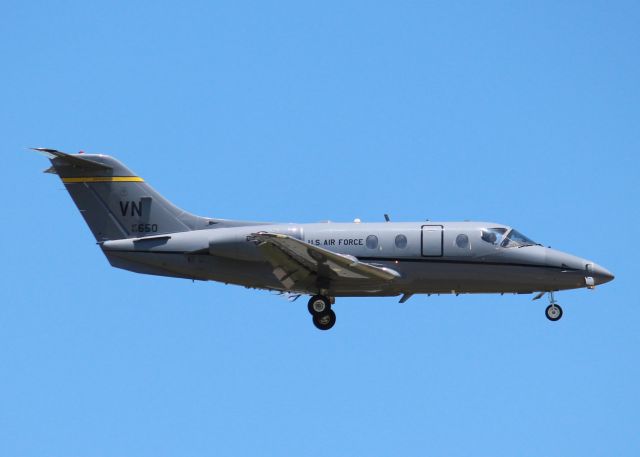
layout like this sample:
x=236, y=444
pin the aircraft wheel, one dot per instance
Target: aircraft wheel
x=318, y=304
x=324, y=321
x=553, y=312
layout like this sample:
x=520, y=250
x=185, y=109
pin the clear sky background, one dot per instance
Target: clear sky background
x=524, y=113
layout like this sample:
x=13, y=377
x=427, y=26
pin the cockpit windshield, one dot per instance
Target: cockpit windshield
x=493, y=235
x=516, y=239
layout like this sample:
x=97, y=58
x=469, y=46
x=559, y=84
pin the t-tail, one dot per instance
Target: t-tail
x=115, y=202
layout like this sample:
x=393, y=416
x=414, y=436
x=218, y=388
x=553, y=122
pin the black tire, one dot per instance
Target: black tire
x=325, y=321
x=322, y=298
x=551, y=315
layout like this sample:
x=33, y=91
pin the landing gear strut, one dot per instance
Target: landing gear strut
x=320, y=308
x=553, y=311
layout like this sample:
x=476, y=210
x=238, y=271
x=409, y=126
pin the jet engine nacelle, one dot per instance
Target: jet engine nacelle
x=225, y=243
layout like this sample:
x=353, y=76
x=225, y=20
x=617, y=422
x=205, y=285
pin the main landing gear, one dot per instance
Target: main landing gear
x=320, y=308
x=553, y=311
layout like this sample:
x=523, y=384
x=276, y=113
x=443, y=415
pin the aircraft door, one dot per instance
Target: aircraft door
x=432, y=240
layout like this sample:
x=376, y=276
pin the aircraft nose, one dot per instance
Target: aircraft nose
x=600, y=274
x=564, y=260
x=581, y=266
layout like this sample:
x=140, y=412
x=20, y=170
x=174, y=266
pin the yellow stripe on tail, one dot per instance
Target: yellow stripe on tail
x=104, y=179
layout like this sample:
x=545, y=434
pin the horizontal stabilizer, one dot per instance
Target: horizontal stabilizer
x=72, y=159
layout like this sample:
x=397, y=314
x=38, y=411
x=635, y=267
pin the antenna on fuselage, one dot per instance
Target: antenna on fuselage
x=386, y=218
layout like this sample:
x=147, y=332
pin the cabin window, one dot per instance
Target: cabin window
x=492, y=235
x=401, y=241
x=462, y=241
x=372, y=241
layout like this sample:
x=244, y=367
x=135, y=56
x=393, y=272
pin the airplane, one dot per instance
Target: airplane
x=140, y=231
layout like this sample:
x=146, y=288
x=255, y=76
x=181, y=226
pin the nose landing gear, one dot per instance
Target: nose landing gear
x=553, y=311
x=320, y=308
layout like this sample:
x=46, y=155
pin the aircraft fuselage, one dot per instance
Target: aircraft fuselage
x=430, y=257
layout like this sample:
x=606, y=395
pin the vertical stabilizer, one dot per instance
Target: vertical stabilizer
x=115, y=202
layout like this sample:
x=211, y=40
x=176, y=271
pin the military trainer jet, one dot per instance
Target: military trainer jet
x=138, y=230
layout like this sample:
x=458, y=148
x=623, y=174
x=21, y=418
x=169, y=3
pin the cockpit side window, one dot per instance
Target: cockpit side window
x=517, y=239
x=492, y=235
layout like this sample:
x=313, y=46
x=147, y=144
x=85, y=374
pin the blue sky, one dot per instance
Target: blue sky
x=524, y=113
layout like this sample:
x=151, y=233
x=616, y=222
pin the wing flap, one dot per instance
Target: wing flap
x=288, y=270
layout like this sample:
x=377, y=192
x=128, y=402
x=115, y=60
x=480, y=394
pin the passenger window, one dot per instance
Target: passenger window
x=401, y=241
x=372, y=241
x=462, y=241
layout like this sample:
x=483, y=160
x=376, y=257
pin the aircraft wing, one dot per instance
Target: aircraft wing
x=295, y=262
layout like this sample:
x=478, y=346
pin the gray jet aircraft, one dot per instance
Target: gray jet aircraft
x=138, y=230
